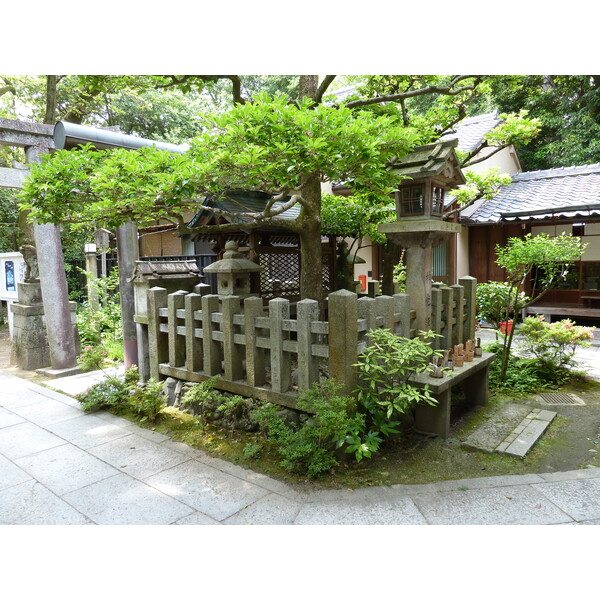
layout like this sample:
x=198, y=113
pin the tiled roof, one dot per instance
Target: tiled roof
x=566, y=192
x=470, y=131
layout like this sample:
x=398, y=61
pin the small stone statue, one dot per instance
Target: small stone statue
x=31, y=263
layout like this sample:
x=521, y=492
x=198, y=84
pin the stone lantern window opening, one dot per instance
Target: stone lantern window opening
x=437, y=200
x=411, y=201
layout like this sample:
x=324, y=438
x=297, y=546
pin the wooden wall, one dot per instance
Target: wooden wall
x=483, y=240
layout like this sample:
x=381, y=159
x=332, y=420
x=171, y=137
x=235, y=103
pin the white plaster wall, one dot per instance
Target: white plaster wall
x=506, y=160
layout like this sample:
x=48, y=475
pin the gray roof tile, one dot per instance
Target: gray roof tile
x=549, y=190
x=470, y=131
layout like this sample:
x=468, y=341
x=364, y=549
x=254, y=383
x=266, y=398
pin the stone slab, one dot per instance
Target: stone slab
x=10, y=474
x=494, y=431
x=272, y=509
x=578, y=498
x=47, y=411
x=137, y=456
x=122, y=500
x=8, y=418
x=26, y=438
x=30, y=503
x=87, y=431
x=527, y=438
x=197, y=518
x=373, y=511
x=56, y=373
x=516, y=505
x=209, y=491
x=65, y=468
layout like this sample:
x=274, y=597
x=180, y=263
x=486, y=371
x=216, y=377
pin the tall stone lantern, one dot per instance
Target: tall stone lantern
x=428, y=173
x=233, y=272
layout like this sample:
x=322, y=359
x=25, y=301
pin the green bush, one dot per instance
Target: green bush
x=553, y=345
x=112, y=393
x=147, y=399
x=91, y=357
x=495, y=302
x=310, y=447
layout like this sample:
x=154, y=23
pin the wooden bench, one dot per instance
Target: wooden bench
x=474, y=379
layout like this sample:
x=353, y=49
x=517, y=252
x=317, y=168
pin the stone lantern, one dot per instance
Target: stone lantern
x=428, y=172
x=233, y=272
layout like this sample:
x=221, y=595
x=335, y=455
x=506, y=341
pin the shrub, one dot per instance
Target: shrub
x=553, y=345
x=92, y=357
x=495, y=301
x=112, y=393
x=310, y=447
x=147, y=399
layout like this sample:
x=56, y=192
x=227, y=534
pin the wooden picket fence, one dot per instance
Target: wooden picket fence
x=268, y=353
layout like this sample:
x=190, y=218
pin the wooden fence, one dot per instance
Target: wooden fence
x=268, y=353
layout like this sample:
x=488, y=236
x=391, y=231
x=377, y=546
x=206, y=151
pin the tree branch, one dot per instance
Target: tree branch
x=444, y=90
x=323, y=87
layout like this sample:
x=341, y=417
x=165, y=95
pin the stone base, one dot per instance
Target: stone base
x=56, y=373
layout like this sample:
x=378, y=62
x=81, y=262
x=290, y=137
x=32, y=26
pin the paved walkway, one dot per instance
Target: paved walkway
x=61, y=466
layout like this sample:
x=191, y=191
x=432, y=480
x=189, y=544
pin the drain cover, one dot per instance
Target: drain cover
x=563, y=399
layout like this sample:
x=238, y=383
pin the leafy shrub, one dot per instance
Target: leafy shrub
x=495, y=302
x=310, y=447
x=147, y=399
x=553, y=344
x=112, y=393
x=92, y=357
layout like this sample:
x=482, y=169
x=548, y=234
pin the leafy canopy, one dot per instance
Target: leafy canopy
x=269, y=145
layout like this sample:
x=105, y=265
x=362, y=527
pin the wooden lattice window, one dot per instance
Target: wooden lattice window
x=412, y=200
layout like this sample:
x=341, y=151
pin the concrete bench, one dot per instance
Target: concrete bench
x=474, y=379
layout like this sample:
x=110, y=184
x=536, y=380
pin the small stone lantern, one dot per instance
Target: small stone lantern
x=233, y=272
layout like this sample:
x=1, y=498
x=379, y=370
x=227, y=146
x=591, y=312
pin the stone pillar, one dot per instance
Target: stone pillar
x=418, y=283
x=61, y=332
x=91, y=267
x=128, y=253
x=53, y=280
x=30, y=343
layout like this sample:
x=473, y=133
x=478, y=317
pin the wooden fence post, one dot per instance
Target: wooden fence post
x=193, y=344
x=212, y=353
x=175, y=302
x=279, y=310
x=158, y=342
x=232, y=353
x=255, y=356
x=343, y=338
x=470, y=286
x=308, y=366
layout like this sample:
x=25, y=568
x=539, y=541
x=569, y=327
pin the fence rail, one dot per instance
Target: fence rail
x=268, y=353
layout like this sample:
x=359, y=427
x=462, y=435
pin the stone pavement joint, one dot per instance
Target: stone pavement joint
x=61, y=466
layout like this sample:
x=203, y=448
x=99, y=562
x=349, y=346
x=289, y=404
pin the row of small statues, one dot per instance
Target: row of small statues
x=461, y=354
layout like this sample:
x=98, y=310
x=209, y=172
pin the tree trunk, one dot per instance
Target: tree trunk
x=50, y=115
x=309, y=229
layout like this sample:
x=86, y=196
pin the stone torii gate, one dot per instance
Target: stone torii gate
x=37, y=139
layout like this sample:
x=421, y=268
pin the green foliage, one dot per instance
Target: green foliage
x=9, y=214
x=553, y=345
x=399, y=274
x=495, y=299
x=91, y=357
x=522, y=375
x=112, y=393
x=147, y=399
x=550, y=256
x=309, y=447
x=385, y=368
x=203, y=400
x=484, y=184
x=104, y=325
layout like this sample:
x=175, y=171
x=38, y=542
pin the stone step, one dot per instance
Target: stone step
x=526, y=434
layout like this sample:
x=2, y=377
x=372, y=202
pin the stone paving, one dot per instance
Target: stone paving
x=61, y=466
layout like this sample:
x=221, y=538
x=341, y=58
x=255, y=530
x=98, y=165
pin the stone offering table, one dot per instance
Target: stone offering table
x=473, y=377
